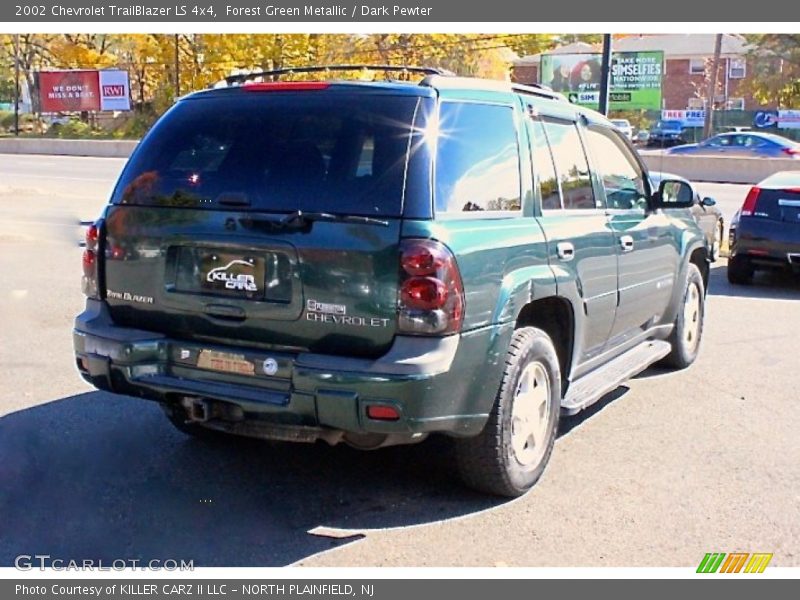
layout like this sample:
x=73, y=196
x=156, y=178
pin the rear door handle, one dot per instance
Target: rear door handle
x=565, y=250
x=225, y=312
x=626, y=243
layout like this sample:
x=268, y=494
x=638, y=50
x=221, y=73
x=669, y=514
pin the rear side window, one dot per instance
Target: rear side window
x=545, y=170
x=332, y=152
x=571, y=165
x=477, y=159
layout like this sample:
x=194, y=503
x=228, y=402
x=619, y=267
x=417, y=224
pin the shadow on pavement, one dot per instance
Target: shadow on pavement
x=567, y=424
x=774, y=285
x=106, y=477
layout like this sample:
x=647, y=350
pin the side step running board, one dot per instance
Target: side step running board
x=594, y=385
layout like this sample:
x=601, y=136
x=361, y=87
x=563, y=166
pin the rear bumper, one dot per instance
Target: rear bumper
x=767, y=254
x=435, y=384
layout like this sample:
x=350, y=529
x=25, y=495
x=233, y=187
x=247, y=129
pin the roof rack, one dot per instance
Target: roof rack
x=244, y=77
x=452, y=82
x=537, y=89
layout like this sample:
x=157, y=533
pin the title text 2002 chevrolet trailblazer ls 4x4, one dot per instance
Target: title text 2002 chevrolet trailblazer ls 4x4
x=373, y=262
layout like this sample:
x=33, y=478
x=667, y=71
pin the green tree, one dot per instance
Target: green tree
x=774, y=61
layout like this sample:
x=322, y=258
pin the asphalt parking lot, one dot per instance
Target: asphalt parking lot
x=663, y=470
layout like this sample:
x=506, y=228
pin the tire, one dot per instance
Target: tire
x=740, y=271
x=688, y=330
x=719, y=234
x=501, y=460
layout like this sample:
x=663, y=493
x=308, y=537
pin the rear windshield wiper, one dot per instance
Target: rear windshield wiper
x=233, y=199
x=303, y=216
x=300, y=219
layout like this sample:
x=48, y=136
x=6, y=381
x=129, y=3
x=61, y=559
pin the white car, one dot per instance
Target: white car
x=624, y=126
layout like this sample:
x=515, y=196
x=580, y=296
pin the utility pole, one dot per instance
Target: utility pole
x=708, y=125
x=16, y=84
x=605, y=74
x=177, y=70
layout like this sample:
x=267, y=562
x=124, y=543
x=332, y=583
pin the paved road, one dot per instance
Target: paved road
x=665, y=469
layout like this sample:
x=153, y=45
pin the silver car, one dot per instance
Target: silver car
x=704, y=210
x=624, y=126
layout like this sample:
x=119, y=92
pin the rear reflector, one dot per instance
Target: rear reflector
x=285, y=86
x=383, y=413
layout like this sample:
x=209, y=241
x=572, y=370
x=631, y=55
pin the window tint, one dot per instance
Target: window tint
x=477, y=162
x=751, y=141
x=720, y=141
x=543, y=168
x=623, y=180
x=317, y=151
x=571, y=165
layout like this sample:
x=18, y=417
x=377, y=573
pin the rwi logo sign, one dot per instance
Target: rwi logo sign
x=114, y=91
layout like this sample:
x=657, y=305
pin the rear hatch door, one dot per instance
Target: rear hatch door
x=775, y=222
x=266, y=219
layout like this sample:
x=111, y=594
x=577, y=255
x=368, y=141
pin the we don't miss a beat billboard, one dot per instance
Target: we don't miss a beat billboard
x=83, y=90
x=635, y=78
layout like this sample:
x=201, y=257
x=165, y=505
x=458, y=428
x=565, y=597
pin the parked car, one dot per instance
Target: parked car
x=642, y=137
x=373, y=262
x=754, y=144
x=704, y=210
x=667, y=132
x=624, y=126
x=765, y=232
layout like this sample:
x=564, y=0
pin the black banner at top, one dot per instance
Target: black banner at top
x=390, y=11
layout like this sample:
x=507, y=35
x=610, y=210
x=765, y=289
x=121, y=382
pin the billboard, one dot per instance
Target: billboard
x=691, y=117
x=83, y=90
x=789, y=119
x=635, y=78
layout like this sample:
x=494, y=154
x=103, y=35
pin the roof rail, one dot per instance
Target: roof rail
x=244, y=77
x=538, y=89
x=477, y=83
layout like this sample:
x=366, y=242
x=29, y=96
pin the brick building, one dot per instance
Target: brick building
x=688, y=59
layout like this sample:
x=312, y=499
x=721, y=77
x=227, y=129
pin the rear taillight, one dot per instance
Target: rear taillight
x=431, y=294
x=749, y=206
x=89, y=280
x=792, y=152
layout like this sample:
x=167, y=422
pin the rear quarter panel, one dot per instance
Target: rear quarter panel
x=503, y=263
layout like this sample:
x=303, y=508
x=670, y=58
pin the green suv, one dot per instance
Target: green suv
x=373, y=262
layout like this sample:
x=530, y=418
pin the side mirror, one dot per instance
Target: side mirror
x=708, y=202
x=674, y=193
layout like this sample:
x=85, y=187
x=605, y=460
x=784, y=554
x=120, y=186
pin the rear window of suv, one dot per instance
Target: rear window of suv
x=334, y=152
